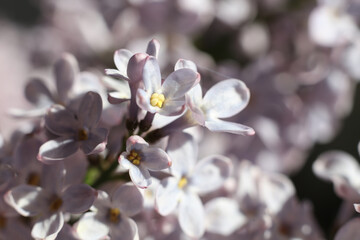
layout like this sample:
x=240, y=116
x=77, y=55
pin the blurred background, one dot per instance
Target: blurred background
x=300, y=59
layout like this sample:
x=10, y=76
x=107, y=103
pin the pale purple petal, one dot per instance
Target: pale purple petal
x=217, y=125
x=226, y=98
x=126, y=229
x=192, y=215
x=26, y=200
x=173, y=107
x=210, y=173
x=121, y=59
x=179, y=82
x=53, y=177
x=155, y=159
x=124, y=162
x=223, y=216
x=26, y=149
x=168, y=196
x=135, y=67
x=102, y=202
x=183, y=151
x=143, y=101
x=151, y=75
x=58, y=149
x=91, y=228
x=37, y=92
x=78, y=198
x=136, y=142
x=61, y=121
x=48, y=226
x=97, y=136
x=343, y=170
x=128, y=199
x=65, y=71
x=116, y=74
x=67, y=233
x=90, y=110
x=357, y=207
x=140, y=176
x=153, y=48
x=76, y=167
x=182, y=63
x=117, y=98
x=349, y=230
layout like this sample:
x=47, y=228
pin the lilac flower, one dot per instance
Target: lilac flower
x=111, y=215
x=349, y=231
x=139, y=158
x=167, y=98
x=50, y=202
x=188, y=180
x=75, y=131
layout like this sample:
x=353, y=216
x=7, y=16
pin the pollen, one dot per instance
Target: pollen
x=56, y=204
x=114, y=215
x=83, y=134
x=182, y=182
x=157, y=100
x=134, y=157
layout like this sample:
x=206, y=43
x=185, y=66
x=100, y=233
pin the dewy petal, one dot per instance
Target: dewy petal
x=78, y=198
x=90, y=110
x=128, y=199
x=26, y=200
x=217, y=125
x=168, y=195
x=153, y=48
x=191, y=215
x=140, y=176
x=58, y=149
x=126, y=229
x=226, y=98
x=36, y=92
x=151, y=75
x=223, y=216
x=349, y=231
x=179, y=82
x=121, y=59
x=60, y=121
x=97, y=136
x=48, y=227
x=65, y=71
x=143, y=101
x=155, y=159
x=342, y=169
x=91, y=228
x=135, y=67
x=182, y=63
x=210, y=173
x=182, y=150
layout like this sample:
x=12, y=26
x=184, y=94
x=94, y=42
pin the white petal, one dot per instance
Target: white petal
x=182, y=63
x=155, y=159
x=58, y=149
x=143, y=101
x=191, y=215
x=115, y=74
x=121, y=59
x=153, y=48
x=125, y=230
x=172, y=107
x=183, y=152
x=210, y=173
x=179, y=82
x=136, y=142
x=48, y=227
x=226, y=98
x=223, y=216
x=217, y=125
x=140, y=176
x=151, y=75
x=128, y=199
x=91, y=228
x=167, y=196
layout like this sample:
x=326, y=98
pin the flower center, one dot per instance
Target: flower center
x=56, y=204
x=114, y=215
x=83, y=134
x=33, y=179
x=134, y=157
x=2, y=222
x=182, y=182
x=157, y=99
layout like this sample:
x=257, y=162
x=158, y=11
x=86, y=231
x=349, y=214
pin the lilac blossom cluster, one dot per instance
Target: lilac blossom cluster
x=167, y=142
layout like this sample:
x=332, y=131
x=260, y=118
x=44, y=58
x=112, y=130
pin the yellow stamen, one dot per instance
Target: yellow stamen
x=114, y=215
x=56, y=204
x=83, y=135
x=157, y=100
x=134, y=157
x=33, y=179
x=182, y=182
